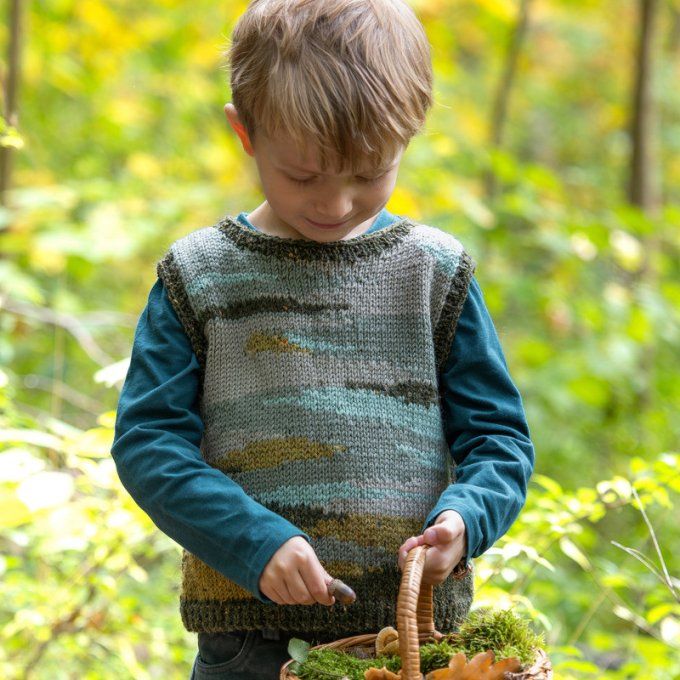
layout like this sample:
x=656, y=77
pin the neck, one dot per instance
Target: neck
x=264, y=219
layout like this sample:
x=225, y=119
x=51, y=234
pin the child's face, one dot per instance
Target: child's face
x=300, y=198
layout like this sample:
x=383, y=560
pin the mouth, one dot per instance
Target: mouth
x=320, y=225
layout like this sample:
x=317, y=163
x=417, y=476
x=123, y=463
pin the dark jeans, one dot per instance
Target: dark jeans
x=247, y=655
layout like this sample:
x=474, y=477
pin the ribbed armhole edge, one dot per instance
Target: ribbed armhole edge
x=453, y=306
x=168, y=271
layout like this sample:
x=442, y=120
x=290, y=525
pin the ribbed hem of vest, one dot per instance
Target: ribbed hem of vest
x=452, y=601
x=364, y=245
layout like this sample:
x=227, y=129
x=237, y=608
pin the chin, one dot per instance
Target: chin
x=324, y=238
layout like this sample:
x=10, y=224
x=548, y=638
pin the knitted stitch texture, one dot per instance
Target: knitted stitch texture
x=320, y=397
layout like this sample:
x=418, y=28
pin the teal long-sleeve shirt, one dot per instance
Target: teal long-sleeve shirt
x=158, y=431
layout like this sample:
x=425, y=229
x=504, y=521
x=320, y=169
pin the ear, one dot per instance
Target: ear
x=239, y=128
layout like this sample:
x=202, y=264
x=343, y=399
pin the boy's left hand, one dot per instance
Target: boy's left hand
x=449, y=542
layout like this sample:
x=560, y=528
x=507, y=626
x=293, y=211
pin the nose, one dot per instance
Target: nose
x=334, y=207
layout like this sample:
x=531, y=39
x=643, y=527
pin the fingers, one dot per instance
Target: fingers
x=296, y=590
x=437, y=534
x=440, y=559
x=314, y=582
x=294, y=593
x=437, y=567
x=305, y=586
x=279, y=598
x=406, y=546
x=271, y=592
x=294, y=575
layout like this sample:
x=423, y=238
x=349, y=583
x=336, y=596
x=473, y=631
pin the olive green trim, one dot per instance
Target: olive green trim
x=168, y=271
x=364, y=245
x=453, y=306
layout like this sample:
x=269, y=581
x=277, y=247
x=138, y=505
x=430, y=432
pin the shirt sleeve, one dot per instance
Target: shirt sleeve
x=156, y=450
x=486, y=429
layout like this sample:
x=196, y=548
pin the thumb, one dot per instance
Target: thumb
x=438, y=533
x=327, y=579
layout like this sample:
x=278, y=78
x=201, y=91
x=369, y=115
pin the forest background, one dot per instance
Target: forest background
x=552, y=153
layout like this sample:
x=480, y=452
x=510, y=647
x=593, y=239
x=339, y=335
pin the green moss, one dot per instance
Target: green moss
x=324, y=664
x=435, y=655
x=502, y=631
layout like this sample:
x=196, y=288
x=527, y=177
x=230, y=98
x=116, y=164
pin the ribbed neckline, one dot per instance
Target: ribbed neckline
x=365, y=245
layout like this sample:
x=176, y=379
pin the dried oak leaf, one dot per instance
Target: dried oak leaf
x=481, y=667
x=456, y=664
x=380, y=674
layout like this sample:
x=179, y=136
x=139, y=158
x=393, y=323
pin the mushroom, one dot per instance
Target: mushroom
x=385, y=641
x=391, y=648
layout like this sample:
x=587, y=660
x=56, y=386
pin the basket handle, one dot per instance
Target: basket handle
x=415, y=619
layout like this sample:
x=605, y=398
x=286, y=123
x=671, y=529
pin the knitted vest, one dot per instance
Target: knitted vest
x=320, y=397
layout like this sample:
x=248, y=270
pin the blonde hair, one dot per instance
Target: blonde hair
x=353, y=77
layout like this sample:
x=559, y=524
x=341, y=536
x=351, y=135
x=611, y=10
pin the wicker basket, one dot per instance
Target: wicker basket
x=415, y=624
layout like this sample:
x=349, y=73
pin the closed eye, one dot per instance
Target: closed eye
x=369, y=180
x=301, y=181
x=363, y=180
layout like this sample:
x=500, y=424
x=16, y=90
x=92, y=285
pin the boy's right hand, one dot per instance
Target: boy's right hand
x=294, y=575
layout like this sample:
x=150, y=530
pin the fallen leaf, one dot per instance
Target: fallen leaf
x=481, y=667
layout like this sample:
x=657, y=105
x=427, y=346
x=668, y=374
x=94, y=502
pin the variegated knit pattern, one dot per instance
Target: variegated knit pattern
x=320, y=397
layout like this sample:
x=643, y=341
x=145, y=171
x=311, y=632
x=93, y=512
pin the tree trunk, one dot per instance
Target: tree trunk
x=642, y=186
x=11, y=86
x=673, y=42
x=502, y=96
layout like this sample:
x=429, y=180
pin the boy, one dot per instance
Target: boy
x=303, y=374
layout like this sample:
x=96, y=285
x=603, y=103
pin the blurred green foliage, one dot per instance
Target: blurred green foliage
x=123, y=146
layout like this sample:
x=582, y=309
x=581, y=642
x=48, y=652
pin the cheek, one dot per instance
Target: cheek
x=279, y=191
x=381, y=192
